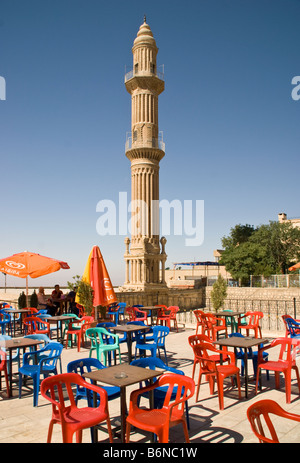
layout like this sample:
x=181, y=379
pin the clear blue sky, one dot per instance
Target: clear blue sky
x=230, y=125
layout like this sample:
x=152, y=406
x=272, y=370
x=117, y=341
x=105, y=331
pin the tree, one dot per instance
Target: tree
x=219, y=293
x=266, y=250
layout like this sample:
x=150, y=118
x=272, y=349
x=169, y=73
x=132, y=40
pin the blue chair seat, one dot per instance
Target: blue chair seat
x=158, y=343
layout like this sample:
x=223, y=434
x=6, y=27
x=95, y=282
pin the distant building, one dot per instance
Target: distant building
x=282, y=218
x=191, y=275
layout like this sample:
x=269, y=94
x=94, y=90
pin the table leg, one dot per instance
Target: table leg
x=123, y=413
x=129, y=346
x=94, y=428
x=10, y=372
x=151, y=400
x=246, y=371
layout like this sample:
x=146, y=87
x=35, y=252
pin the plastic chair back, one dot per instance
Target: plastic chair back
x=292, y=327
x=263, y=409
x=59, y=391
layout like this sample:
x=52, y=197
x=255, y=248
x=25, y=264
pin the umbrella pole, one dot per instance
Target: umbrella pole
x=27, y=292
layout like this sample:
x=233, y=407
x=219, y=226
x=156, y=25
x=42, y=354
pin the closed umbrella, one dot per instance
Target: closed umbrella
x=294, y=267
x=97, y=276
x=25, y=264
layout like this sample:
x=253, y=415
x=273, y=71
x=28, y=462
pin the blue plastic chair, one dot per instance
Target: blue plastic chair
x=142, y=336
x=16, y=319
x=292, y=327
x=15, y=356
x=46, y=364
x=160, y=392
x=5, y=320
x=251, y=355
x=159, y=338
x=86, y=365
x=116, y=310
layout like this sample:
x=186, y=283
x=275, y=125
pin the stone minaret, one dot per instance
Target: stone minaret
x=145, y=260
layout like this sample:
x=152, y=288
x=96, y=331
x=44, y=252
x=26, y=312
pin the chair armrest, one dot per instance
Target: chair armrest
x=137, y=392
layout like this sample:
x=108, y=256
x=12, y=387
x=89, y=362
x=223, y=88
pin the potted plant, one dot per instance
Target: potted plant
x=85, y=293
x=33, y=300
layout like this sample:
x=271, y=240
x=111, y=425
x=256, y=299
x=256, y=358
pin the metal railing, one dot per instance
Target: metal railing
x=275, y=281
x=152, y=143
x=132, y=73
x=273, y=309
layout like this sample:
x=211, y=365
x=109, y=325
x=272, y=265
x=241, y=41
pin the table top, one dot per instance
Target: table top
x=123, y=375
x=244, y=342
x=19, y=342
x=16, y=310
x=127, y=328
x=59, y=317
x=151, y=307
x=224, y=313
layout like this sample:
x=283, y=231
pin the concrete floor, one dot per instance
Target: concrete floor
x=20, y=422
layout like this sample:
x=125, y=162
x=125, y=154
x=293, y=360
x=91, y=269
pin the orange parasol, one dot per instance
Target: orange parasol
x=30, y=264
x=97, y=276
x=294, y=267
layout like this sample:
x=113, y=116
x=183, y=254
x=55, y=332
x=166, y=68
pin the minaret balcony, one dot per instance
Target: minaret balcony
x=152, y=143
x=138, y=73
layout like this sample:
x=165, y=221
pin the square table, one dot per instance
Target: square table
x=231, y=315
x=152, y=309
x=16, y=343
x=58, y=319
x=243, y=343
x=123, y=375
x=129, y=329
x=15, y=312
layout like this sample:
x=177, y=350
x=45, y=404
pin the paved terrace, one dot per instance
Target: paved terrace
x=20, y=422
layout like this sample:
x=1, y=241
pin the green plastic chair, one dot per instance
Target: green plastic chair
x=66, y=325
x=228, y=320
x=103, y=342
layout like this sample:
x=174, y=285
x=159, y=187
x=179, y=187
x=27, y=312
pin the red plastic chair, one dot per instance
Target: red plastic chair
x=199, y=314
x=215, y=372
x=285, y=364
x=196, y=339
x=71, y=418
x=251, y=324
x=169, y=315
x=3, y=367
x=81, y=310
x=130, y=313
x=78, y=329
x=140, y=315
x=35, y=325
x=214, y=326
x=263, y=409
x=159, y=421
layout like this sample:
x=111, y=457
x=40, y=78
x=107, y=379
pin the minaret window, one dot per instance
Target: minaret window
x=152, y=68
x=136, y=68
